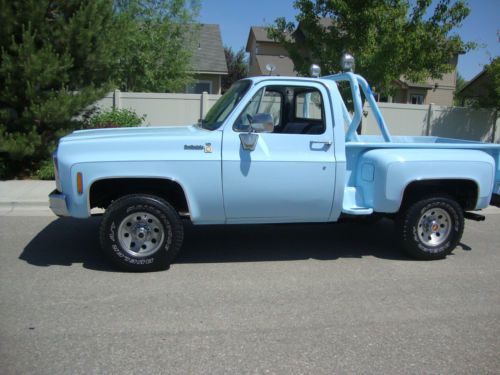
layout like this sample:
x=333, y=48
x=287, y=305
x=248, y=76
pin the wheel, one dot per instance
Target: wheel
x=141, y=233
x=431, y=228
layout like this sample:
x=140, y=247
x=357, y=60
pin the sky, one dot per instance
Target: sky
x=235, y=18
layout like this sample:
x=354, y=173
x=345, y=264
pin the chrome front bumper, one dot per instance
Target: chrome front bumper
x=57, y=203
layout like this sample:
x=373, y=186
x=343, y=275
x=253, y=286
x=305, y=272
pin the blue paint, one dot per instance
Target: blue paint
x=288, y=177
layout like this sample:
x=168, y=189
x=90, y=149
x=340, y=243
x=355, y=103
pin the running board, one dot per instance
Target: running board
x=354, y=202
x=357, y=210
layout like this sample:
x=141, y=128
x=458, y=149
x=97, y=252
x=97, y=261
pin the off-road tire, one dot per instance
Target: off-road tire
x=442, y=211
x=156, y=212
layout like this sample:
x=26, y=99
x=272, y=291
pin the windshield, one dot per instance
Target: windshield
x=219, y=112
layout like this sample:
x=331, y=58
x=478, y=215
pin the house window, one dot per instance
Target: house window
x=199, y=87
x=416, y=99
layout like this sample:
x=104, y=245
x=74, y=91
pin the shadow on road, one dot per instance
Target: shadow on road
x=253, y=243
x=69, y=241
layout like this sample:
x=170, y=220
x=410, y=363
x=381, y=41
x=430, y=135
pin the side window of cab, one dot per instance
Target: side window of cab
x=307, y=115
x=294, y=109
x=266, y=100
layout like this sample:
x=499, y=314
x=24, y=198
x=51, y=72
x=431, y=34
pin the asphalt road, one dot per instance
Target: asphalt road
x=277, y=299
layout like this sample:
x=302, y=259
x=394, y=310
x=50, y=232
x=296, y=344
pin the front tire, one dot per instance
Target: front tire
x=431, y=228
x=141, y=233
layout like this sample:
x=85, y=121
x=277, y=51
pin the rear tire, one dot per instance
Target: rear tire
x=431, y=228
x=141, y=233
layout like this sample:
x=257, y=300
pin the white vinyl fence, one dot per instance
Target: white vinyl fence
x=162, y=109
x=402, y=119
x=434, y=120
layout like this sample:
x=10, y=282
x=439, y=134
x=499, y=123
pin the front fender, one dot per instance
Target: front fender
x=201, y=184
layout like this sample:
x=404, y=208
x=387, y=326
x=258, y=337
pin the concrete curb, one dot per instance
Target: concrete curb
x=23, y=193
x=25, y=204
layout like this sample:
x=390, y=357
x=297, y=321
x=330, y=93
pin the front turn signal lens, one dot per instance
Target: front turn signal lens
x=79, y=183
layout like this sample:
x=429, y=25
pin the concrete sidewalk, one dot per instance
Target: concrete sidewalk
x=25, y=195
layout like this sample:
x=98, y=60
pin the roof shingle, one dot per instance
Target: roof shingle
x=208, y=55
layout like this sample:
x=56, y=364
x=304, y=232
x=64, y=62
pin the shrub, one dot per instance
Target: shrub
x=115, y=118
x=46, y=170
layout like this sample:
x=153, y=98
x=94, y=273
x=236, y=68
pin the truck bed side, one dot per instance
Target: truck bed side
x=378, y=173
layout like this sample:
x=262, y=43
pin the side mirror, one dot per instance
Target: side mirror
x=262, y=123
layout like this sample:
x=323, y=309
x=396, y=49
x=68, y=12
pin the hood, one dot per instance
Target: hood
x=140, y=144
x=157, y=131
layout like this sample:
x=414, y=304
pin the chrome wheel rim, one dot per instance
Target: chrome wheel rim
x=434, y=227
x=141, y=234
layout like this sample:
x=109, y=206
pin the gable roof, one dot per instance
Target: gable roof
x=260, y=35
x=208, y=55
x=260, y=32
x=473, y=81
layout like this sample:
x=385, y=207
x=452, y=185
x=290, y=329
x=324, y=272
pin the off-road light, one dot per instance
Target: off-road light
x=315, y=71
x=347, y=62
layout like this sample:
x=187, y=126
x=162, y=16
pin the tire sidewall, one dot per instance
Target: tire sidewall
x=111, y=243
x=410, y=238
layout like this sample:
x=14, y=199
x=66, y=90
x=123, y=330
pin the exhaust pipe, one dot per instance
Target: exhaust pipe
x=473, y=216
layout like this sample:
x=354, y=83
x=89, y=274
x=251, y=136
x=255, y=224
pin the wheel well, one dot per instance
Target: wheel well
x=103, y=192
x=465, y=192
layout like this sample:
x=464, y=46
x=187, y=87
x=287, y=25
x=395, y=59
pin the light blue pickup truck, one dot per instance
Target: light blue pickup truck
x=271, y=150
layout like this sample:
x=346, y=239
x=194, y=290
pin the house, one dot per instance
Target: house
x=436, y=91
x=264, y=51
x=208, y=61
x=476, y=88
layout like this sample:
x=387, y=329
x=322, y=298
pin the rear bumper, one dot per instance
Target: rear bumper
x=57, y=203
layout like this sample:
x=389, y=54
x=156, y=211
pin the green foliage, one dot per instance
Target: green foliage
x=59, y=57
x=46, y=170
x=237, y=67
x=484, y=92
x=156, y=40
x=114, y=118
x=491, y=99
x=56, y=58
x=390, y=39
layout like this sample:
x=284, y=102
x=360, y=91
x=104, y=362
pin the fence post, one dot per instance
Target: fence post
x=117, y=102
x=429, y=119
x=203, y=104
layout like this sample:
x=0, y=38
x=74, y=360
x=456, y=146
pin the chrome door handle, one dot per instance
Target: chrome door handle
x=328, y=143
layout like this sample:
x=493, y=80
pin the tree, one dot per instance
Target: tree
x=484, y=92
x=492, y=97
x=237, y=67
x=59, y=57
x=390, y=39
x=56, y=58
x=156, y=40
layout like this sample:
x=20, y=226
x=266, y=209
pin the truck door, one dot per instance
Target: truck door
x=289, y=176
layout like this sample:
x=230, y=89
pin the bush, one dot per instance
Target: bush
x=115, y=118
x=46, y=170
